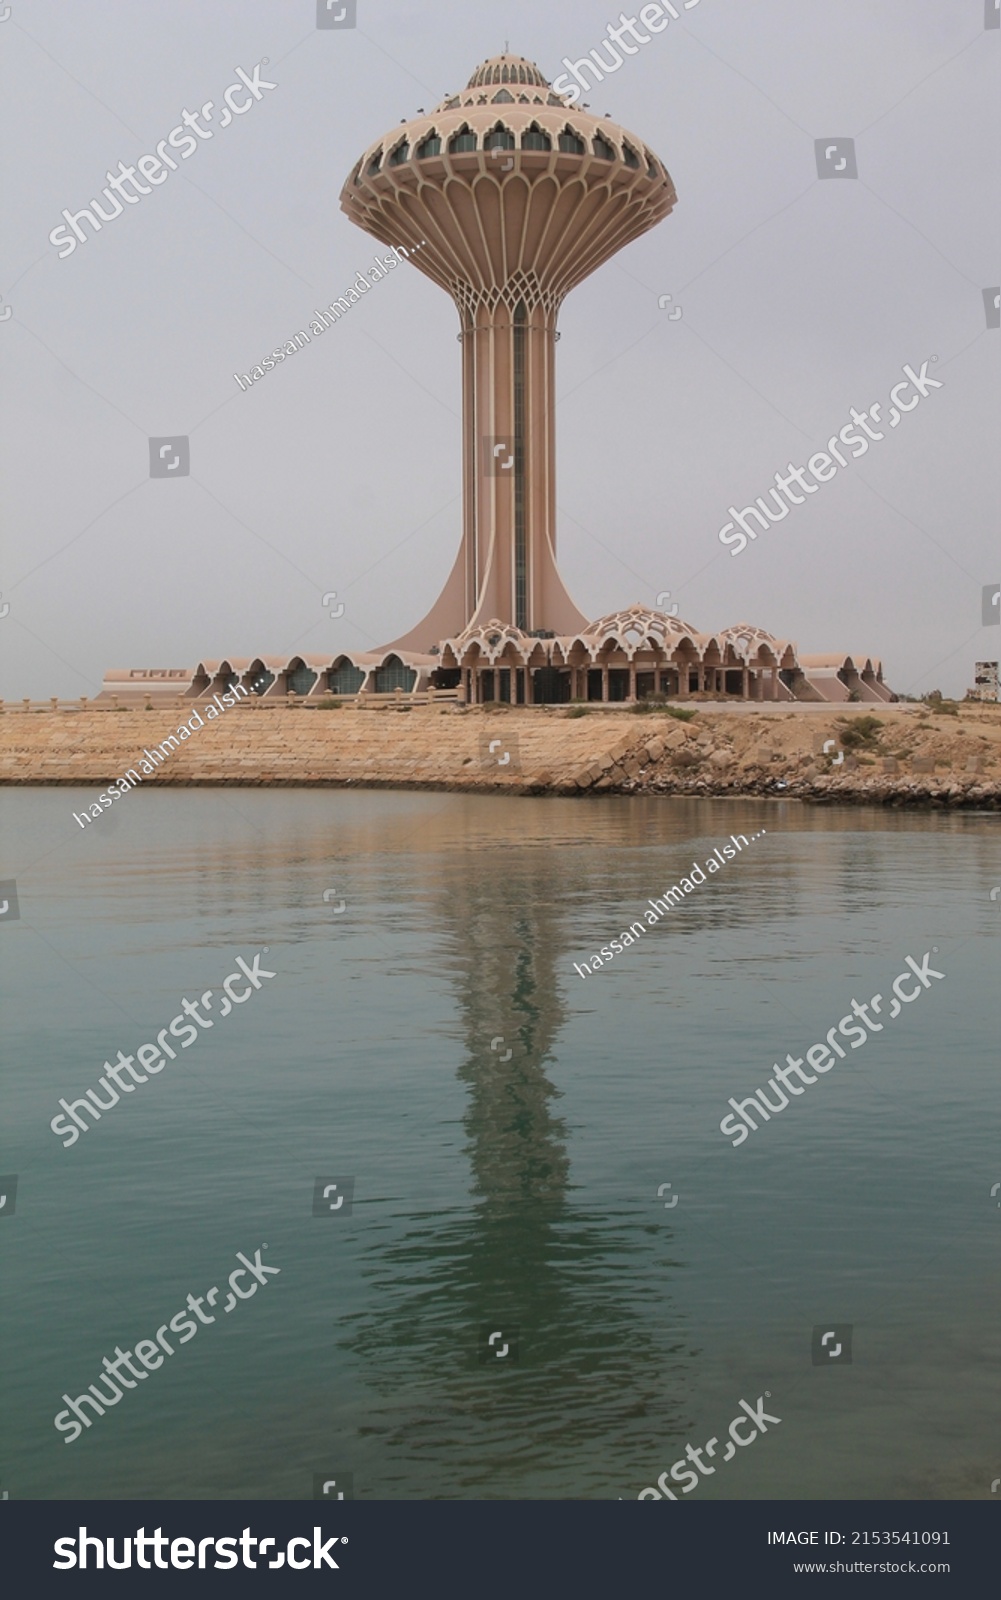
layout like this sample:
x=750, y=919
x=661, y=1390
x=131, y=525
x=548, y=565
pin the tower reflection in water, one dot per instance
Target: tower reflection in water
x=593, y=1382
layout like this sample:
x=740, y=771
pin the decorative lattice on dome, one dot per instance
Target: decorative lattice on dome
x=640, y=622
x=746, y=640
x=492, y=635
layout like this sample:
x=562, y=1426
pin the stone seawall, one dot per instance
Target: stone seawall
x=911, y=756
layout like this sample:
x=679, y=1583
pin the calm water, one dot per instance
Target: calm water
x=497, y=1192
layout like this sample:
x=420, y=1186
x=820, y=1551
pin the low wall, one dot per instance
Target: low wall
x=914, y=756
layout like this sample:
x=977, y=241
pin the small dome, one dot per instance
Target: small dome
x=745, y=638
x=639, y=621
x=507, y=69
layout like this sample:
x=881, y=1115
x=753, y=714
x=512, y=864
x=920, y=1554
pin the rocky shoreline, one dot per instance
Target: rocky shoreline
x=899, y=757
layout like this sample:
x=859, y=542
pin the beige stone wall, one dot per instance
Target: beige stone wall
x=424, y=746
x=915, y=756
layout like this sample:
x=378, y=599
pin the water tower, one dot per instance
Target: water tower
x=514, y=196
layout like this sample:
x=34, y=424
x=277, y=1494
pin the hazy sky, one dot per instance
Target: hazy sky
x=801, y=298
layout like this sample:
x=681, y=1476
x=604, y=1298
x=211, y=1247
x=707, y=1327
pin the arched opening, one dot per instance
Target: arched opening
x=376, y=162
x=630, y=157
x=393, y=674
x=571, y=143
x=461, y=142
x=345, y=678
x=534, y=139
x=431, y=146
x=499, y=138
x=301, y=679
x=602, y=149
x=400, y=154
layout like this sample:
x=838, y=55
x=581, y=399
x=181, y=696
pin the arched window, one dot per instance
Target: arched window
x=602, y=149
x=503, y=98
x=263, y=679
x=376, y=162
x=504, y=75
x=345, y=678
x=652, y=169
x=534, y=139
x=499, y=138
x=630, y=157
x=400, y=154
x=394, y=675
x=571, y=143
x=431, y=146
x=463, y=140
x=301, y=680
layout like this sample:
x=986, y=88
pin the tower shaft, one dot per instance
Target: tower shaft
x=509, y=471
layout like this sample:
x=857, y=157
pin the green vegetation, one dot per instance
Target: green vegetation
x=859, y=733
x=659, y=702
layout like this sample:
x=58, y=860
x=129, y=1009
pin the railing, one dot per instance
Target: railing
x=254, y=702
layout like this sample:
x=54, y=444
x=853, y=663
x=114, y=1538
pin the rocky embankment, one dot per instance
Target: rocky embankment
x=903, y=755
x=900, y=755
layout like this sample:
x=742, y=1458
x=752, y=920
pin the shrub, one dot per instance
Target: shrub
x=578, y=711
x=660, y=702
x=859, y=733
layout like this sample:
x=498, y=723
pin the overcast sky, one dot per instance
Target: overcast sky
x=340, y=470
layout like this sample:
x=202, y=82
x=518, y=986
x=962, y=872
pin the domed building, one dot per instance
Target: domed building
x=507, y=195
